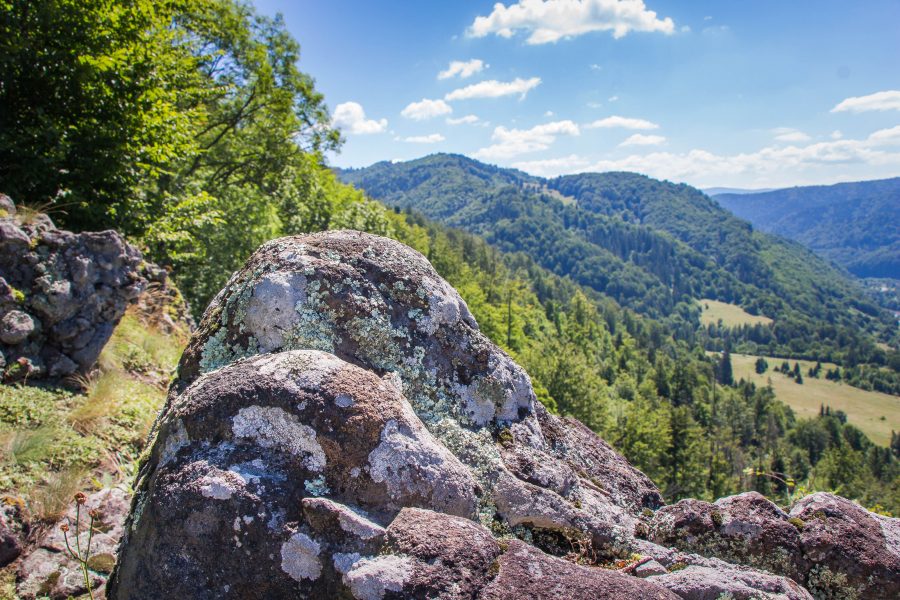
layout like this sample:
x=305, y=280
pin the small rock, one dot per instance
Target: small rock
x=648, y=568
x=15, y=327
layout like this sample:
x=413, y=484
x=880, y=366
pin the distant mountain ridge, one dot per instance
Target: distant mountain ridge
x=653, y=246
x=856, y=225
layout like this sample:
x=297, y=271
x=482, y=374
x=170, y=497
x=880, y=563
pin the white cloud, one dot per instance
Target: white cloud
x=494, y=89
x=771, y=166
x=462, y=69
x=594, y=104
x=512, y=142
x=788, y=134
x=426, y=109
x=836, y=134
x=885, y=137
x=549, y=113
x=623, y=122
x=612, y=98
x=466, y=120
x=551, y=167
x=888, y=100
x=351, y=118
x=639, y=139
x=596, y=67
x=551, y=20
x=433, y=138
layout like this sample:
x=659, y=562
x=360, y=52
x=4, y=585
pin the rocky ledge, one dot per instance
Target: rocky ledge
x=62, y=294
x=340, y=428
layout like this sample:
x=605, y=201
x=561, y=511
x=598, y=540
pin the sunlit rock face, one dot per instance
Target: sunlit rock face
x=340, y=428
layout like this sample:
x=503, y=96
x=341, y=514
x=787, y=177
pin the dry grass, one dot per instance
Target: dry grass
x=876, y=414
x=51, y=498
x=731, y=315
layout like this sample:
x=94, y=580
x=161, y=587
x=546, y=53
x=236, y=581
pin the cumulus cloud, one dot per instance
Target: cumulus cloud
x=512, y=142
x=639, y=139
x=551, y=167
x=623, y=122
x=887, y=100
x=466, y=120
x=494, y=89
x=351, y=118
x=433, y=138
x=462, y=69
x=549, y=21
x=426, y=109
x=877, y=155
x=788, y=134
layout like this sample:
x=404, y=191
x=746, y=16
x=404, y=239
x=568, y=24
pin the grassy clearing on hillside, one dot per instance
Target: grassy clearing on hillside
x=864, y=409
x=54, y=442
x=731, y=315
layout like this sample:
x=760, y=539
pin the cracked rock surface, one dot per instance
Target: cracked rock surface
x=340, y=428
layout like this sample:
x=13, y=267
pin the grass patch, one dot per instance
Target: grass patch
x=875, y=413
x=731, y=315
x=54, y=442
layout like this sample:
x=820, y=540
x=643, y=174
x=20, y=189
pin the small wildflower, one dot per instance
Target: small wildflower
x=80, y=498
x=64, y=527
x=94, y=513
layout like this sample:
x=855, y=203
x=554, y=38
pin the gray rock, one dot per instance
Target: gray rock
x=12, y=533
x=724, y=581
x=15, y=327
x=49, y=571
x=61, y=294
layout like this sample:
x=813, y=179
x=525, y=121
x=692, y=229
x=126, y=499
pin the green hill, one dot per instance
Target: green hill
x=651, y=245
x=856, y=225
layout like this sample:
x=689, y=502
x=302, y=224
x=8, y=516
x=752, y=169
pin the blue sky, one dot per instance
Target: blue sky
x=726, y=93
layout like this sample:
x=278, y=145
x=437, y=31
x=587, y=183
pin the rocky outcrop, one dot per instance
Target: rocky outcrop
x=826, y=543
x=61, y=294
x=341, y=428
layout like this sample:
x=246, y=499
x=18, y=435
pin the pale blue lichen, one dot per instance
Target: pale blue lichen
x=317, y=487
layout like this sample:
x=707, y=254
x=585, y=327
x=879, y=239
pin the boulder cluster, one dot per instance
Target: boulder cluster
x=61, y=294
x=340, y=428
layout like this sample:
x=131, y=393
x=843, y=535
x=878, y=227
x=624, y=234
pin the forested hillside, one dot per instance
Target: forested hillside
x=856, y=225
x=650, y=245
x=214, y=142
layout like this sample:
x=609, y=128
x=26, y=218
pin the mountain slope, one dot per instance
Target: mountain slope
x=856, y=225
x=653, y=246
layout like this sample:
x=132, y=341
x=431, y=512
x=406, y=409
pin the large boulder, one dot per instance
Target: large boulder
x=61, y=295
x=341, y=428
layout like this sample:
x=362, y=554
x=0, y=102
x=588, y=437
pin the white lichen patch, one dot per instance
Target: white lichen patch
x=411, y=463
x=300, y=557
x=273, y=427
x=220, y=486
x=270, y=312
x=445, y=307
x=371, y=578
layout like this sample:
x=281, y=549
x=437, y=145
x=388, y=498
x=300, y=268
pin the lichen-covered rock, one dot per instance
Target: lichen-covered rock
x=726, y=581
x=745, y=529
x=831, y=546
x=61, y=295
x=525, y=573
x=853, y=553
x=341, y=428
x=48, y=570
x=11, y=529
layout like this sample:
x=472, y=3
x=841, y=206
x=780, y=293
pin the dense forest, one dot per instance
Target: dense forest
x=655, y=247
x=856, y=225
x=188, y=126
